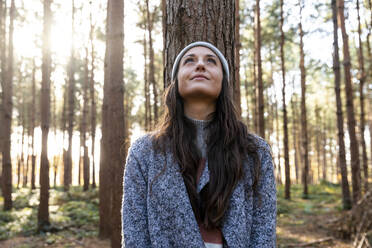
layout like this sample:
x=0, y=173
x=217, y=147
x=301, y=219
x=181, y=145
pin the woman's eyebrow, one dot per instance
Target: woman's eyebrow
x=211, y=55
x=190, y=55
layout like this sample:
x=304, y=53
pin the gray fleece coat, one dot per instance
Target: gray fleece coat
x=165, y=217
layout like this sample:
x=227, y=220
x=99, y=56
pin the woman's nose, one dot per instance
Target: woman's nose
x=200, y=65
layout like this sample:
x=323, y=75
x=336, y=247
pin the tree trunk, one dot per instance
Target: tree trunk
x=71, y=101
x=3, y=71
x=147, y=93
x=259, y=89
x=84, y=124
x=18, y=171
x=354, y=146
x=237, y=60
x=93, y=110
x=188, y=21
x=152, y=81
x=287, y=194
x=43, y=211
x=294, y=134
x=362, y=78
x=246, y=90
x=324, y=145
x=305, y=152
x=7, y=117
x=33, y=111
x=317, y=141
x=113, y=127
x=279, y=175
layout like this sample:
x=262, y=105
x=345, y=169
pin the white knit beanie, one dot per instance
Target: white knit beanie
x=225, y=65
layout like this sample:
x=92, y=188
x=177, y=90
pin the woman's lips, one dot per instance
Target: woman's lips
x=199, y=77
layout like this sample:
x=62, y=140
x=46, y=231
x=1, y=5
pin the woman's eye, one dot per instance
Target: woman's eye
x=212, y=60
x=188, y=60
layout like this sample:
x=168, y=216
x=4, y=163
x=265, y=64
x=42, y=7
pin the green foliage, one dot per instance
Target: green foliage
x=323, y=198
x=73, y=213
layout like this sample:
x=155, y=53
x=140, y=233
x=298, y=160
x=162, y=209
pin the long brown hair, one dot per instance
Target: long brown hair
x=228, y=144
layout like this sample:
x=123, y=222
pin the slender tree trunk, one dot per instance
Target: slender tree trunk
x=22, y=161
x=33, y=110
x=317, y=141
x=7, y=117
x=362, y=77
x=305, y=151
x=246, y=90
x=113, y=127
x=84, y=124
x=259, y=89
x=203, y=20
x=164, y=31
x=18, y=171
x=43, y=211
x=147, y=95
x=279, y=176
x=254, y=98
x=354, y=146
x=71, y=102
x=287, y=194
x=237, y=60
x=152, y=81
x=324, y=145
x=294, y=134
x=93, y=110
x=3, y=71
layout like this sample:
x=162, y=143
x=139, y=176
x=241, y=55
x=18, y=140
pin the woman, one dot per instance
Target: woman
x=200, y=180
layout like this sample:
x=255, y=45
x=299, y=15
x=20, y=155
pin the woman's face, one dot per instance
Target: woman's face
x=200, y=75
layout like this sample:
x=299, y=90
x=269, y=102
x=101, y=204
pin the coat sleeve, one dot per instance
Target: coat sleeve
x=263, y=231
x=135, y=231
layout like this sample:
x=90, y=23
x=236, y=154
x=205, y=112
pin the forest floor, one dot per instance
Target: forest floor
x=74, y=217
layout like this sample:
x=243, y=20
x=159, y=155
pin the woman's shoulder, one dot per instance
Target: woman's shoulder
x=261, y=144
x=142, y=144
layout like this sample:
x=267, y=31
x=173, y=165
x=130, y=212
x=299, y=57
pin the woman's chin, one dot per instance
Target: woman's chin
x=200, y=95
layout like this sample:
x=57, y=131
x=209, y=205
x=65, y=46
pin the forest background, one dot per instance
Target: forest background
x=67, y=68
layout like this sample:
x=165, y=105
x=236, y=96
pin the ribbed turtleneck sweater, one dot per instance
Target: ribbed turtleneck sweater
x=212, y=238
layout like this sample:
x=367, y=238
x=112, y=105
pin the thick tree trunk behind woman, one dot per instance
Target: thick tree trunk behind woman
x=187, y=21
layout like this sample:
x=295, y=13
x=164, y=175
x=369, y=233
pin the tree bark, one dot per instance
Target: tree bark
x=279, y=170
x=362, y=78
x=43, y=211
x=33, y=111
x=237, y=59
x=151, y=76
x=7, y=117
x=259, y=89
x=188, y=21
x=3, y=71
x=93, y=110
x=147, y=88
x=305, y=151
x=287, y=194
x=71, y=101
x=324, y=145
x=113, y=127
x=84, y=124
x=294, y=134
x=317, y=141
x=246, y=90
x=354, y=146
